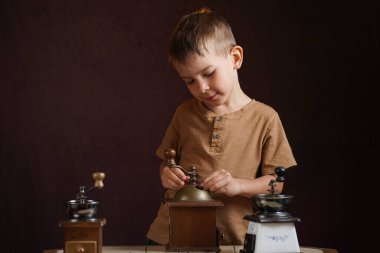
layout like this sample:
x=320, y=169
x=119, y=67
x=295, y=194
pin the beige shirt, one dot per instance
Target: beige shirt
x=242, y=142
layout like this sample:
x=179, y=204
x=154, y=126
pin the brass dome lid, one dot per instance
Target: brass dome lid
x=192, y=193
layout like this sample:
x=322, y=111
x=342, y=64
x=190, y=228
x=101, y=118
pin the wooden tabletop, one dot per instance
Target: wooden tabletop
x=161, y=249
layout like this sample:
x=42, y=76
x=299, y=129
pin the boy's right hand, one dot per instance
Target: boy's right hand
x=173, y=178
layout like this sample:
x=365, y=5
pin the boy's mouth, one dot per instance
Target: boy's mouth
x=209, y=98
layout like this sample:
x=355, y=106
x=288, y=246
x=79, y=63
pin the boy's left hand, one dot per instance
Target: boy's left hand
x=221, y=181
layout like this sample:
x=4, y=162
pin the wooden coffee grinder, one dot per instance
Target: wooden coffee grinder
x=82, y=229
x=192, y=215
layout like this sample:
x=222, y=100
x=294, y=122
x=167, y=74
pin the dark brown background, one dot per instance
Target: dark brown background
x=85, y=86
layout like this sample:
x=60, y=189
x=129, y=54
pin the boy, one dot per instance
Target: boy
x=234, y=141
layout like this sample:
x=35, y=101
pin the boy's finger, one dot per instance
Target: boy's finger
x=210, y=179
x=179, y=173
x=218, y=186
x=175, y=182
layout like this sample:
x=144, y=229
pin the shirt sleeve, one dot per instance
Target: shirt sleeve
x=171, y=137
x=276, y=149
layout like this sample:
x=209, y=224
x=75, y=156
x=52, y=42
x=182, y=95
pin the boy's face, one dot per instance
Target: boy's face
x=212, y=78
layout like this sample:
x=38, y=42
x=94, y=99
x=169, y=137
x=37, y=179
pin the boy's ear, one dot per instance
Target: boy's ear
x=237, y=56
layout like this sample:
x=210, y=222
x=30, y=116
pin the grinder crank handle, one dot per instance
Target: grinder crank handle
x=280, y=177
x=280, y=172
x=98, y=177
x=170, y=161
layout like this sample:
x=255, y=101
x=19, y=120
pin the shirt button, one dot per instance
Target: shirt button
x=215, y=136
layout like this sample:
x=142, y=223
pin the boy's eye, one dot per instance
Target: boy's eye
x=189, y=81
x=210, y=74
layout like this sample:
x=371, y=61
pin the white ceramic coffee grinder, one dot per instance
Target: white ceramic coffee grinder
x=271, y=229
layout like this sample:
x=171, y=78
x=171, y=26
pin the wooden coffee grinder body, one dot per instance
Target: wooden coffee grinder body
x=192, y=226
x=83, y=236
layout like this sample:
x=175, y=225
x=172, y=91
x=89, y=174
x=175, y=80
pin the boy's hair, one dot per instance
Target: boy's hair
x=199, y=32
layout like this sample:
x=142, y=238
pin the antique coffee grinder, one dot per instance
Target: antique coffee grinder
x=83, y=229
x=192, y=215
x=271, y=229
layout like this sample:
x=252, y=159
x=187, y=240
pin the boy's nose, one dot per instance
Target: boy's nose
x=203, y=86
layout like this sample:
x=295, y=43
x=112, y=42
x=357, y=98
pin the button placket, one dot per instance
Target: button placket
x=217, y=135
